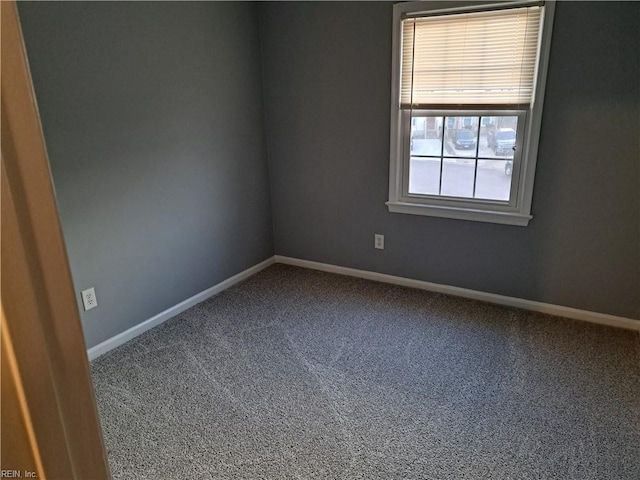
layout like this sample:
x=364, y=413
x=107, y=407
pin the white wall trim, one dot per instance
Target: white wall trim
x=119, y=339
x=557, y=310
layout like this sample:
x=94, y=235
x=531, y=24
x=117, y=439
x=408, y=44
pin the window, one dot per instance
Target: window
x=468, y=86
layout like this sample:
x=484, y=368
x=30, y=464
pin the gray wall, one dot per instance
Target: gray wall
x=152, y=113
x=327, y=86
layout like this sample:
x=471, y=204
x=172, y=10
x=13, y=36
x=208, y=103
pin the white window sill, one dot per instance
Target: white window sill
x=458, y=213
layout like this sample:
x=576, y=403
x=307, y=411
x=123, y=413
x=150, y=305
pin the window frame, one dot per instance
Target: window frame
x=518, y=210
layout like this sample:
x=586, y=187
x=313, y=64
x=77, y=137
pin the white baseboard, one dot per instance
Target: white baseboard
x=116, y=341
x=557, y=310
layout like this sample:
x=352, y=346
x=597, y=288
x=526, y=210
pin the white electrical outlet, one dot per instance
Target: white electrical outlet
x=379, y=241
x=89, y=299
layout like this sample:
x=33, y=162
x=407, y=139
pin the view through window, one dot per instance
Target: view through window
x=462, y=156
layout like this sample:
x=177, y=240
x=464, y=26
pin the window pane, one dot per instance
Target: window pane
x=424, y=176
x=460, y=136
x=493, y=179
x=446, y=149
x=457, y=177
x=498, y=136
x=426, y=136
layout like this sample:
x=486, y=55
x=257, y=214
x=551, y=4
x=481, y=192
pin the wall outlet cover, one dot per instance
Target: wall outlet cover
x=89, y=299
x=379, y=241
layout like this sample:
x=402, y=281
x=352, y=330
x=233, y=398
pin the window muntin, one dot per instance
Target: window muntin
x=437, y=101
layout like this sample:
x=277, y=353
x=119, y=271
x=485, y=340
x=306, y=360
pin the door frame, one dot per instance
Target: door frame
x=49, y=415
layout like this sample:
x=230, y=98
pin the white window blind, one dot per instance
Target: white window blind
x=472, y=59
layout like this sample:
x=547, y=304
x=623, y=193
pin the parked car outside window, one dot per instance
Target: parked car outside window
x=502, y=140
x=464, y=138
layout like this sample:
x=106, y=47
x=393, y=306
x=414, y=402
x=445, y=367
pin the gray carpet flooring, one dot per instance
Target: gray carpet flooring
x=297, y=374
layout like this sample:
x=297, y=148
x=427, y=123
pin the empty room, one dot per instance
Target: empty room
x=321, y=240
